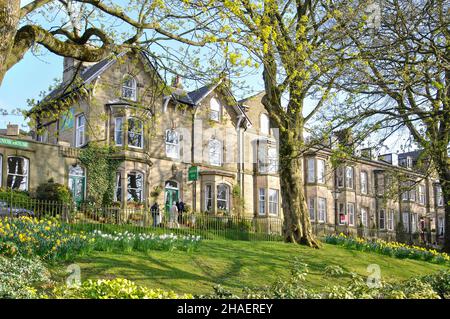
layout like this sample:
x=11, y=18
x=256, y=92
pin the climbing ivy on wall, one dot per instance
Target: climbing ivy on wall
x=101, y=170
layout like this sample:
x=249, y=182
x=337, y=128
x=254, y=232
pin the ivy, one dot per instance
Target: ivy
x=101, y=168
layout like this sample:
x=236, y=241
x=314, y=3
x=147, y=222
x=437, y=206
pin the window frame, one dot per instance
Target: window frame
x=405, y=225
x=118, y=186
x=134, y=188
x=364, y=182
x=217, y=111
x=176, y=145
x=340, y=177
x=312, y=200
x=141, y=134
x=352, y=177
x=25, y=176
x=390, y=219
x=227, y=197
x=365, y=217
x=262, y=201
x=116, y=130
x=422, y=195
x=311, y=170
x=132, y=88
x=351, y=214
x=273, y=204
x=382, y=219
x=79, y=129
x=219, y=153
x=209, y=196
x=321, y=175
x=439, y=198
x=321, y=209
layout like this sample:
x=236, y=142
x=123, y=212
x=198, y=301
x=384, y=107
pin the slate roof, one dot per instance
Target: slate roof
x=194, y=97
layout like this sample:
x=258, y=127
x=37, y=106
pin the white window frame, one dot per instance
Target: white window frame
x=321, y=209
x=382, y=219
x=273, y=204
x=170, y=145
x=80, y=130
x=25, y=176
x=262, y=201
x=221, y=200
x=351, y=214
x=414, y=222
x=439, y=197
x=215, y=144
x=311, y=170
x=412, y=192
x=364, y=182
x=118, y=130
x=129, y=88
x=214, y=110
x=141, y=190
x=422, y=194
x=349, y=177
x=390, y=219
x=321, y=171
x=364, y=217
x=140, y=134
x=264, y=124
x=209, y=196
x=312, y=208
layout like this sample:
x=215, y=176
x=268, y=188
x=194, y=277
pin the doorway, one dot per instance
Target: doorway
x=171, y=194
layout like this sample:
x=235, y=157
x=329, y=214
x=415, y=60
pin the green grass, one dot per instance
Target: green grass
x=235, y=264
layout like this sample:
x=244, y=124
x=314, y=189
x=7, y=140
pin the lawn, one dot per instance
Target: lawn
x=234, y=264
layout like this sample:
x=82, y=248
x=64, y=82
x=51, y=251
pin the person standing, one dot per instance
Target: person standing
x=180, y=211
x=155, y=214
x=174, y=215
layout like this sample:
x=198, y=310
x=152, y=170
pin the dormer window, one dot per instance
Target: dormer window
x=129, y=88
x=214, y=112
x=406, y=162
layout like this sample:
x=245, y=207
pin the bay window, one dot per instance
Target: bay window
x=208, y=197
x=118, y=190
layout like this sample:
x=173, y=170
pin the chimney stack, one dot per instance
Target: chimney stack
x=176, y=82
x=12, y=130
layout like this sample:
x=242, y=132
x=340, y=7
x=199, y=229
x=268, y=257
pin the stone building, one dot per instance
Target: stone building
x=216, y=154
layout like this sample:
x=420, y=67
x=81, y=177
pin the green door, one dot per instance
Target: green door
x=171, y=196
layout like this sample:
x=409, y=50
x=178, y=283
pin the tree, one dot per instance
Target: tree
x=89, y=31
x=403, y=75
x=302, y=48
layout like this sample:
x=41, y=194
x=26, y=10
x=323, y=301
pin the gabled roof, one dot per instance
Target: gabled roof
x=193, y=98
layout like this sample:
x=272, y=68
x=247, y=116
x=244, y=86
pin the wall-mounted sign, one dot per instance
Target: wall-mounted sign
x=13, y=143
x=193, y=173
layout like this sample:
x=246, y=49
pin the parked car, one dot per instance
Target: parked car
x=5, y=210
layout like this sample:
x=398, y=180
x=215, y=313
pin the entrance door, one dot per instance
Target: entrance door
x=77, y=181
x=171, y=195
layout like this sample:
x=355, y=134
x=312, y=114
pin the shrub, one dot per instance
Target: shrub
x=440, y=282
x=118, y=288
x=19, y=277
x=52, y=191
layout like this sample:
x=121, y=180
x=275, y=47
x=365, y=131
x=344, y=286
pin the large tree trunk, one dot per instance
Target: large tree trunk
x=297, y=226
x=9, y=20
x=444, y=179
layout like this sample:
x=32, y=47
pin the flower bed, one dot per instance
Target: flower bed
x=393, y=249
x=127, y=241
x=45, y=238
